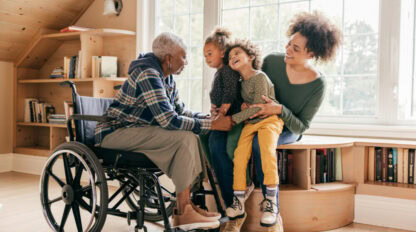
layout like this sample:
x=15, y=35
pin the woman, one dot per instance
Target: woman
x=148, y=117
x=299, y=91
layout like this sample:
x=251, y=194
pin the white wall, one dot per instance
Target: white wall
x=94, y=17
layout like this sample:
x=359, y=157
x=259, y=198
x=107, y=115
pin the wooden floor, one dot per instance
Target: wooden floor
x=20, y=209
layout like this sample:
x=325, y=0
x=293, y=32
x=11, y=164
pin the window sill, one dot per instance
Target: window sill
x=368, y=131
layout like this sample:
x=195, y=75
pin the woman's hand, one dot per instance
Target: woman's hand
x=224, y=108
x=267, y=109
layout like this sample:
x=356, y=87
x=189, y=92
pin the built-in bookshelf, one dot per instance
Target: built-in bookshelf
x=32, y=79
x=306, y=205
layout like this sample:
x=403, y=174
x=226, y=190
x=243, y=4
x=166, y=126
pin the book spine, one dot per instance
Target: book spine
x=284, y=167
x=338, y=169
x=411, y=164
x=384, y=164
x=390, y=171
x=405, y=166
x=394, y=150
x=378, y=161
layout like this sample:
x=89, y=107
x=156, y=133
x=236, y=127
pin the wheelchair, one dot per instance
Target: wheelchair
x=86, y=170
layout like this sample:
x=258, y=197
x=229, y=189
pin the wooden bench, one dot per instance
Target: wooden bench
x=315, y=207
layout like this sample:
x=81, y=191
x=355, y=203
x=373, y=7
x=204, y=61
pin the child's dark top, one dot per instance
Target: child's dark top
x=226, y=89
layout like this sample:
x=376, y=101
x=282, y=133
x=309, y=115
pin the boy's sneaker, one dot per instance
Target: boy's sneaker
x=191, y=219
x=236, y=210
x=278, y=227
x=270, y=211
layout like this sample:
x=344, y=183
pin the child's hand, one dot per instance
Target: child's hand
x=244, y=106
x=224, y=108
x=214, y=111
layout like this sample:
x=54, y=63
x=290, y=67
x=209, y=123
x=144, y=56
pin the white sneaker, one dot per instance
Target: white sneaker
x=236, y=210
x=270, y=211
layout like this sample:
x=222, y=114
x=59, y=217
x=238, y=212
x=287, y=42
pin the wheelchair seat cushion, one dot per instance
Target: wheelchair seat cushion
x=89, y=106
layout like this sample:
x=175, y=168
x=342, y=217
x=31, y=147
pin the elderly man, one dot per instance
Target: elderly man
x=148, y=117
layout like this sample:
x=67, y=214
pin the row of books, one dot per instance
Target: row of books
x=104, y=66
x=37, y=111
x=285, y=166
x=326, y=165
x=41, y=112
x=72, y=66
x=392, y=165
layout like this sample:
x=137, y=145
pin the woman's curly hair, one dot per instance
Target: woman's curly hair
x=250, y=48
x=323, y=37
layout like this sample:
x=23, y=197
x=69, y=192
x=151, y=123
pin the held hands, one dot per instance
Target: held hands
x=267, y=109
x=222, y=123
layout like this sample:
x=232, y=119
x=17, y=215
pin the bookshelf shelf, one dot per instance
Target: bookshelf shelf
x=39, y=81
x=41, y=124
x=47, y=52
x=386, y=189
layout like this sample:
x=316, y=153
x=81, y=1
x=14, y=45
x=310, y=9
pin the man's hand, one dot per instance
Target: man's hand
x=222, y=123
x=267, y=109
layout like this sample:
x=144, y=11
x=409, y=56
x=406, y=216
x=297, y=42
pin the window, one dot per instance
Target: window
x=185, y=18
x=407, y=78
x=371, y=81
x=352, y=78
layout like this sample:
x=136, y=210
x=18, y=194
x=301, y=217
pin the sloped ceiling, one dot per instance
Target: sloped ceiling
x=21, y=19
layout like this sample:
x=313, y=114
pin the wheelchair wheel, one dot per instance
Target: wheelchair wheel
x=152, y=208
x=83, y=185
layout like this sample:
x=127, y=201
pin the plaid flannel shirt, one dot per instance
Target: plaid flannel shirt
x=147, y=98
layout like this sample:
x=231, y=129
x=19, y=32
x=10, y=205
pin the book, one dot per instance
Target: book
x=104, y=66
x=384, y=164
x=390, y=173
x=371, y=162
x=338, y=164
x=411, y=166
x=74, y=28
x=394, y=150
x=400, y=165
x=313, y=166
x=405, y=166
x=378, y=161
x=28, y=114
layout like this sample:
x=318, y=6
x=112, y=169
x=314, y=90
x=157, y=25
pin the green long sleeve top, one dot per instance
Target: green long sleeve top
x=300, y=102
x=251, y=92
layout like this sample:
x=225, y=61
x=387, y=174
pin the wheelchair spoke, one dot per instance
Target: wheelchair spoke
x=78, y=174
x=55, y=200
x=68, y=173
x=77, y=215
x=64, y=217
x=59, y=181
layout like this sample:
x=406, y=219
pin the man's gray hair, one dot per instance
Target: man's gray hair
x=166, y=43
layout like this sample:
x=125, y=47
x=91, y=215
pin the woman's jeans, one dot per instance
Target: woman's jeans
x=223, y=165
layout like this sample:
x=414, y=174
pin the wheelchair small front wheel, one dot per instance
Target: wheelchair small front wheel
x=74, y=180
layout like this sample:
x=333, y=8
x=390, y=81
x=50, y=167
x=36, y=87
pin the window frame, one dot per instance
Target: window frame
x=386, y=118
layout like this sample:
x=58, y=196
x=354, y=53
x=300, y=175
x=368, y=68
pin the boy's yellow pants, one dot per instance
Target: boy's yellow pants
x=268, y=131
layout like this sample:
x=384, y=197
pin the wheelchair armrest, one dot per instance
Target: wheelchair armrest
x=89, y=117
